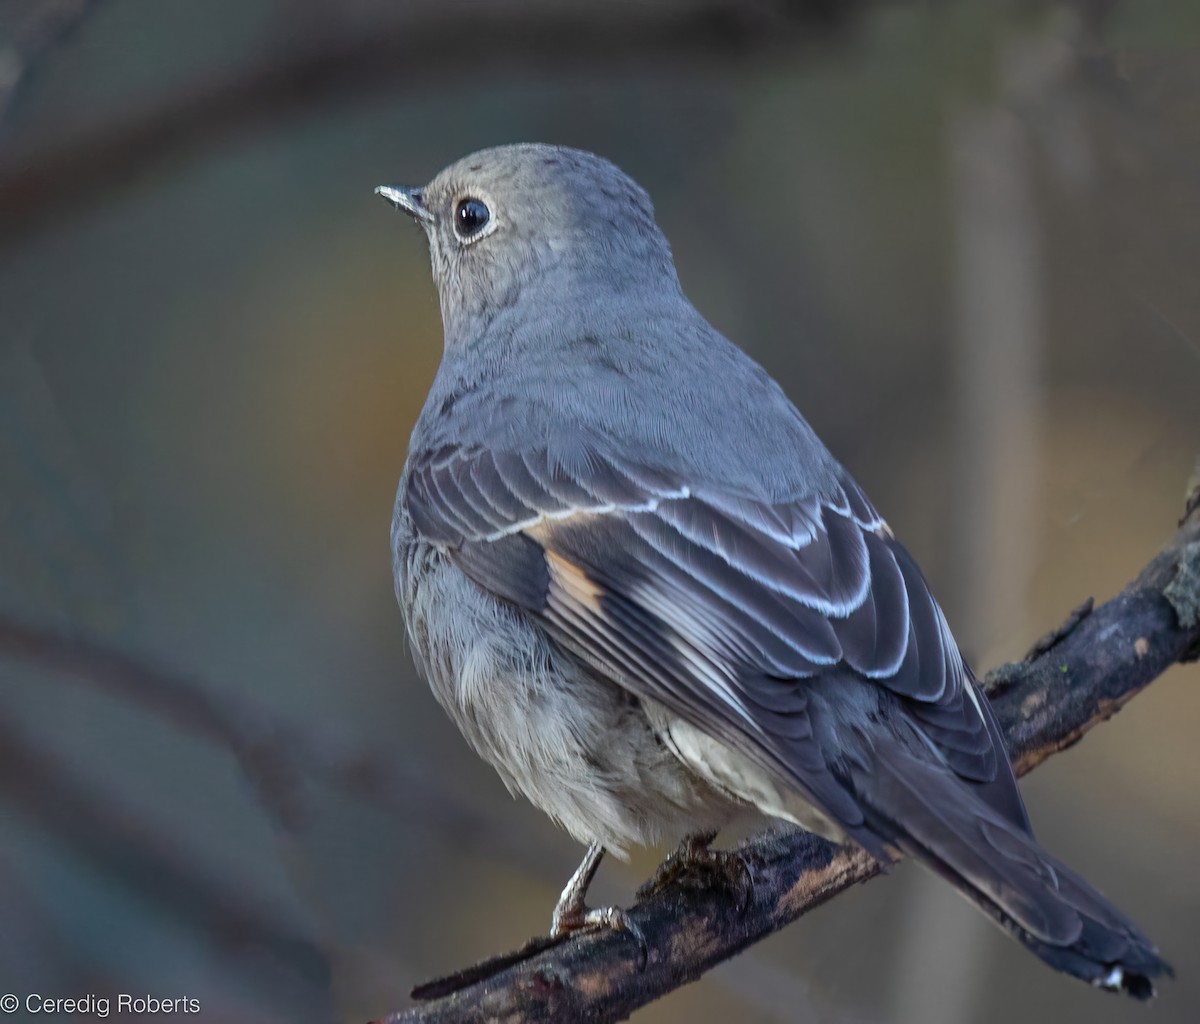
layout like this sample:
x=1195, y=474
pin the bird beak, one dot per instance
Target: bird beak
x=406, y=199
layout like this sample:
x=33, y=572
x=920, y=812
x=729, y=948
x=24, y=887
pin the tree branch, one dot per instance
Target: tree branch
x=1072, y=680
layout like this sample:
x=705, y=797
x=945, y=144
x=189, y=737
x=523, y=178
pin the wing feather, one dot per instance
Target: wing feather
x=717, y=605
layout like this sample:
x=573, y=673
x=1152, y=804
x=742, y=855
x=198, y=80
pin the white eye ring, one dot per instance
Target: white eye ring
x=472, y=218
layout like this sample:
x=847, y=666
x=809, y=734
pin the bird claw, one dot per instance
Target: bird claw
x=571, y=914
x=695, y=861
x=580, y=918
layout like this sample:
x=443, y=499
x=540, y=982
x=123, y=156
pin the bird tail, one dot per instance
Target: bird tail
x=940, y=820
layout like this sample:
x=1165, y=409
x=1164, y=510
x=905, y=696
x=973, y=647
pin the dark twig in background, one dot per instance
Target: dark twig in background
x=45, y=25
x=146, y=855
x=278, y=758
x=1081, y=677
x=46, y=184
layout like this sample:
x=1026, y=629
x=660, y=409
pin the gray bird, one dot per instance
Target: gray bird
x=650, y=597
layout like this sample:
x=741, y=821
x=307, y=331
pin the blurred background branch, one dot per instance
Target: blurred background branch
x=398, y=45
x=276, y=757
x=33, y=780
x=1045, y=704
x=31, y=41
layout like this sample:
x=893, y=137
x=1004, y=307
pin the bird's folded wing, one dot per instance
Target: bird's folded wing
x=718, y=606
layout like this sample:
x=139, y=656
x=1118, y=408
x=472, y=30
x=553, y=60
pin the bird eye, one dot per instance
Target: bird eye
x=470, y=217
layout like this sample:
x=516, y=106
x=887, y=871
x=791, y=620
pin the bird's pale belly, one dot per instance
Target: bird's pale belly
x=577, y=746
x=741, y=779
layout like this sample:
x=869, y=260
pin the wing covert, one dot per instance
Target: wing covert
x=716, y=605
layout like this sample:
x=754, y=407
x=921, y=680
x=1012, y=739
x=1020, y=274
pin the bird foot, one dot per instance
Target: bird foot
x=581, y=918
x=573, y=915
x=696, y=865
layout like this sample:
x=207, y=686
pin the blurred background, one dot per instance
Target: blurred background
x=964, y=236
